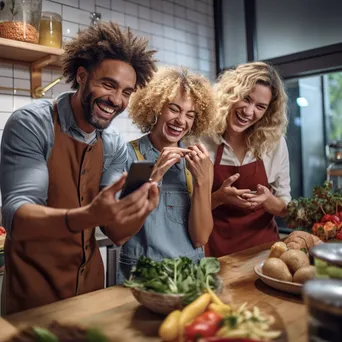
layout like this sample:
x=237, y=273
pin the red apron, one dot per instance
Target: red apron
x=236, y=228
x=43, y=272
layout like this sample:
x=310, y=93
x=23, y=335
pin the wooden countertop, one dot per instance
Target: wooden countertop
x=122, y=318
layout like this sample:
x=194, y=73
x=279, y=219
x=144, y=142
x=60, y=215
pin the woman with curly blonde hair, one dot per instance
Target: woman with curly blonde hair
x=248, y=148
x=175, y=104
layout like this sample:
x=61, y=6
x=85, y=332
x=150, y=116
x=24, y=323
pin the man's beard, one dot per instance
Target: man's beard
x=88, y=111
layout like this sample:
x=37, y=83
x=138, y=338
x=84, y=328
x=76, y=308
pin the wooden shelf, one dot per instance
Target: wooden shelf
x=35, y=55
x=16, y=51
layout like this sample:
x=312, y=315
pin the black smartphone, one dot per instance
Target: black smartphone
x=138, y=174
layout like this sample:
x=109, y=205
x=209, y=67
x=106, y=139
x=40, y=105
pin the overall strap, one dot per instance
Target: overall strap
x=188, y=176
x=135, y=145
x=219, y=153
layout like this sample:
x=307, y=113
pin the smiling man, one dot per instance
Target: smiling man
x=56, y=156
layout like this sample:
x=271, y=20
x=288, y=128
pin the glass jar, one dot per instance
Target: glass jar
x=323, y=299
x=328, y=260
x=19, y=19
x=50, y=31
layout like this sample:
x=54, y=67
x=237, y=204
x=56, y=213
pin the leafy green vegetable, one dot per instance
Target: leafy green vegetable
x=44, y=335
x=178, y=276
x=303, y=212
x=231, y=321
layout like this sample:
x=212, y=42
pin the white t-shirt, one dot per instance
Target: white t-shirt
x=276, y=164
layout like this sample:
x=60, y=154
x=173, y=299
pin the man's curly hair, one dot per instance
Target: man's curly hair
x=108, y=41
x=149, y=101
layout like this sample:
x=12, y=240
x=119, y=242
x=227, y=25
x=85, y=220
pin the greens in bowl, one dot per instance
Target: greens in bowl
x=175, y=276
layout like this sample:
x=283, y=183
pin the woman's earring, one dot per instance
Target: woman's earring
x=155, y=120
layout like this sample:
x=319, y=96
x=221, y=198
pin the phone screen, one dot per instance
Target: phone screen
x=138, y=174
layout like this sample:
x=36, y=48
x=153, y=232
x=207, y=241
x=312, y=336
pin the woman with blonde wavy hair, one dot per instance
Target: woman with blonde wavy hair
x=174, y=105
x=251, y=164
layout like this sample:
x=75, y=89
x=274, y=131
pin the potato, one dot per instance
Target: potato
x=278, y=249
x=295, y=259
x=304, y=274
x=276, y=268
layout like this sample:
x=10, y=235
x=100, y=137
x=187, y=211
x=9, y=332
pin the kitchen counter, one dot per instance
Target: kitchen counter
x=122, y=318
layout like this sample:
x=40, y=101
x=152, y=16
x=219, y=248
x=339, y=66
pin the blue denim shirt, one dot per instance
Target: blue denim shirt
x=27, y=141
x=165, y=231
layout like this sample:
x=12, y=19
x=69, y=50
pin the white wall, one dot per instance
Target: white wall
x=181, y=30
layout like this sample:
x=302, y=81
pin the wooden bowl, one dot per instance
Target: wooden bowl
x=165, y=303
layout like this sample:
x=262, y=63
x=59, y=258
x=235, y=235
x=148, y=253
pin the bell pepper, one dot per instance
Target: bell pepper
x=330, y=218
x=329, y=231
x=317, y=227
x=205, y=325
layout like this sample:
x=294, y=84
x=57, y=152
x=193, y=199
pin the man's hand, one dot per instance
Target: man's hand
x=107, y=210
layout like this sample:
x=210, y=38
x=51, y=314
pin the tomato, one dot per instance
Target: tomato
x=339, y=235
x=198, y=330
x=2, y=230
x=332, y=218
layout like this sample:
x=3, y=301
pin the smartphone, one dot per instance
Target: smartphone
x=251, y=192
x=138, y=174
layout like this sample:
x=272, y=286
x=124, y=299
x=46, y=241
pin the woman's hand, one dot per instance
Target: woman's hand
x=169, y=156
x=258, y=199
x=228, y=194
x=199, y=164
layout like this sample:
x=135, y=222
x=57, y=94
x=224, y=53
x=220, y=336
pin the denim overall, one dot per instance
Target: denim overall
x=165, y=231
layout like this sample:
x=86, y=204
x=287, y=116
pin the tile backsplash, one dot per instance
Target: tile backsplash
x=181, y=30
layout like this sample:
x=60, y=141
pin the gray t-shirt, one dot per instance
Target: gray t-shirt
x=26, y=144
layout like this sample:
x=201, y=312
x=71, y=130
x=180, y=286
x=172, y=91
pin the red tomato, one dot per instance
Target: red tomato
x=339, y=235
x=332, y=218
x=197, y=330
x=2, y=230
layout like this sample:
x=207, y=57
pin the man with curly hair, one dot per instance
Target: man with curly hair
x=56, y=158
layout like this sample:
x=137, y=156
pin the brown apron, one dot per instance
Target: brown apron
x=43, y=272
x=236, y=228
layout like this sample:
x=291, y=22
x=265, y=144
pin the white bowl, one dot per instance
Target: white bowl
x=285, y=286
